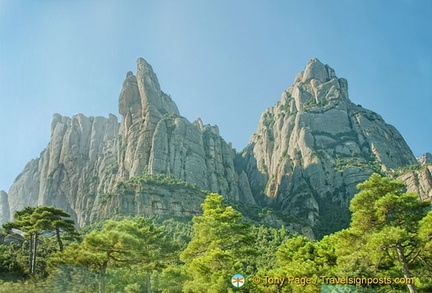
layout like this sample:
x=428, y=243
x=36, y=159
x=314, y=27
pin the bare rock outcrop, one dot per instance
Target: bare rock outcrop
x=418, y=179
x=155, y=139
x=152, y=197
x=4, y=207
x=425, y=159
x=142, y=105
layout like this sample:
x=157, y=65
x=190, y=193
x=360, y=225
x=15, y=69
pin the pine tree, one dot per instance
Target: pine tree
x=220, y=244
x=123, y=244
x=52, y=219
x=384, y=229
x=305, y=258
x=23, y=223
x=34, y=220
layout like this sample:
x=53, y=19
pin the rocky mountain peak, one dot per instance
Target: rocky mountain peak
x=129, y=99
x=146, y=74
x=314, y=146
x=316, y=86
x=315, y=69
x=149, y=89
x=143, y=105
x=142, y=96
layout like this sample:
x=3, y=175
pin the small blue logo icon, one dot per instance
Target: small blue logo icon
x=238, y=280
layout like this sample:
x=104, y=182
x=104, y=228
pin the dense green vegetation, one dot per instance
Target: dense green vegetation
x=410, y=168
x=354, y=160
x=313, y=104
x=168, y=182
x=390, y=237
x=268, y=119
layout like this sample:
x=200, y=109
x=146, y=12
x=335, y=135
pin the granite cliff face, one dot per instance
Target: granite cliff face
x=418, y=178
x=425, y=159
x=76, y=166
x=151, y=195
x=419, y=181
x=305, y=159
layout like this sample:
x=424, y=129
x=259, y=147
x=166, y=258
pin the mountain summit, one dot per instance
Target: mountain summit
x=304, y=160
x=314, y=146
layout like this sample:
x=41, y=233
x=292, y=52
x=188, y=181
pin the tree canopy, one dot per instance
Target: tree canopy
x=220, y=244
x=390, y=236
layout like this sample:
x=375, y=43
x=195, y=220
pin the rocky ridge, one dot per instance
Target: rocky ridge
x=88, y=156
x=305, y=159
x=152, y=195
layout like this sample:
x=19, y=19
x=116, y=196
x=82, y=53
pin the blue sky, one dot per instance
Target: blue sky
x=222, y=61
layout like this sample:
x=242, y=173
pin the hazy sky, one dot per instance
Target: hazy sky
x=222, y=61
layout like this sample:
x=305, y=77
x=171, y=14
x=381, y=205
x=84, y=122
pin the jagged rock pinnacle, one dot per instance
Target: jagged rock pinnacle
x=141, y=94
x=315, y=69
x=4, y=207
x=147, y=79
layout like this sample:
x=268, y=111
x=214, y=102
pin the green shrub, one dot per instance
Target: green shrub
x=169, y=182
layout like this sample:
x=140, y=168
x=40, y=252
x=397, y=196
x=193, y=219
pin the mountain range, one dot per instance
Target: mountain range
x=300, y=168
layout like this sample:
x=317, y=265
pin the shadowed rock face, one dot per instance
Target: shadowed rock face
x=306, y=157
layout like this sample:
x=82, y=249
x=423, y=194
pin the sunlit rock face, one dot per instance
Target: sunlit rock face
x=418, y=179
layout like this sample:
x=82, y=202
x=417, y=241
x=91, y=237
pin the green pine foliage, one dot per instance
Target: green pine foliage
x=137, y=245
x=220, y=244
x=383, y=239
